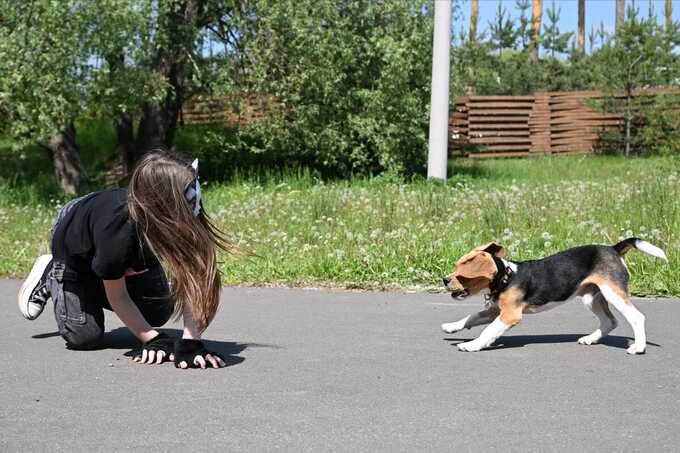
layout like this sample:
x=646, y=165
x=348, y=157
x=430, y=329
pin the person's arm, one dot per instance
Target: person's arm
x=127, y=311
x=190, y=330
x=157, y=346
x=192, y=346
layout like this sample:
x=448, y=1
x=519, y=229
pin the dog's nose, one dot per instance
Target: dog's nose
x=446, y=281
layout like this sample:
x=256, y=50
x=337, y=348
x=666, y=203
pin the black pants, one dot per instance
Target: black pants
x=80, y=312
x=80, y=315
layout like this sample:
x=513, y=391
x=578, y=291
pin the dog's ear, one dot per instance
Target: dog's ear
x=493, y=248
x=476, y=265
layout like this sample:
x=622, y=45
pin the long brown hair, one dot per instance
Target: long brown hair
x=186, y=245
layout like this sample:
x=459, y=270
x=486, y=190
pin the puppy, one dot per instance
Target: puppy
x=595, y=273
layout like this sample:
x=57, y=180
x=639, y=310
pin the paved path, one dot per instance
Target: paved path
x=320, y=371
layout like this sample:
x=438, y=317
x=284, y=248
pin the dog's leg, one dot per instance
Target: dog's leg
x=622, y=303
x=596, y=303
x=475, y=319
x=511, y=306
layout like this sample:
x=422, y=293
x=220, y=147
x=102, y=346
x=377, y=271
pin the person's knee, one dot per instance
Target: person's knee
x=84, y=339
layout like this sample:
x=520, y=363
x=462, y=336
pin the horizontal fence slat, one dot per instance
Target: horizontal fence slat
x=510, y=112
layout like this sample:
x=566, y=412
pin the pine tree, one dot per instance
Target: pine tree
x=474, y=19
x=553, y=40
x=536, y=17
x=525, y=28
x=582, y=25
x=502, y=33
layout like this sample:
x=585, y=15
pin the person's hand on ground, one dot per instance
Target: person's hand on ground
x=193, y=354
x=157, y=350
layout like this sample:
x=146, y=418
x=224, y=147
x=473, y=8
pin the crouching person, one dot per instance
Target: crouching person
x=111, y=250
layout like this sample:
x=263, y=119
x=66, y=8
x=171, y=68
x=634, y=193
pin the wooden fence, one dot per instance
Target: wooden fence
x=479, y=126
x=543, y=123
x=227, y=111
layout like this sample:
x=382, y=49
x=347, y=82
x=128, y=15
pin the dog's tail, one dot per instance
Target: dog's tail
x=645, y=247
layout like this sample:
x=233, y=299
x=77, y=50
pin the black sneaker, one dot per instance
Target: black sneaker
x=34, y=294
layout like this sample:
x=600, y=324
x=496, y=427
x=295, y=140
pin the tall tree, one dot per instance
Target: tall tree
x=668, y=15
x=524, y=29
x=553, y=40
x=620, y=13
x=43, y=69
x=582, y=25
x=134, y=62
x=502, y=32
x=474, y=19
x=350, y=78
x=633, y=60
x=537, y=16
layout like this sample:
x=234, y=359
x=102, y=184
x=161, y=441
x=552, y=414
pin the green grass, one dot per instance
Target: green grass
x=388, y=233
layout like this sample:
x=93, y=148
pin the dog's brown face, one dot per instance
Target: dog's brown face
x=474, y=271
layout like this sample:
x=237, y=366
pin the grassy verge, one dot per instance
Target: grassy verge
x=385, y=232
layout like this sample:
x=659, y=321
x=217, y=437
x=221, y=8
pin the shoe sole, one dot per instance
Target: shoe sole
x=30, y=284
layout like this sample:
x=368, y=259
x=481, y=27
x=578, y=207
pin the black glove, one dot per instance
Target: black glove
x=160, y=342
x=187, y=350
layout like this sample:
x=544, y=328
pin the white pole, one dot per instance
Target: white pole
x=439, y=104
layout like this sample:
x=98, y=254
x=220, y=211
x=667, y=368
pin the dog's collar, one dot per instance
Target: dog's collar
x=500, y=281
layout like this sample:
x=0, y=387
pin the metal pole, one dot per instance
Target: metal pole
x=439, y=104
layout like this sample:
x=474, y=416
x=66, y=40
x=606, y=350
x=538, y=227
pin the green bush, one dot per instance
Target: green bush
x=350, y=82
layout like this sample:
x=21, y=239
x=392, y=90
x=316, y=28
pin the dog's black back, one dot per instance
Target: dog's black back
x=554, y=278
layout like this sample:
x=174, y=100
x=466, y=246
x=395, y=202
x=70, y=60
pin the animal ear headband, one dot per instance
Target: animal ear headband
x=193, y=192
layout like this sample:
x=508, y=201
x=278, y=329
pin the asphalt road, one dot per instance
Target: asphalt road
x=315, y=371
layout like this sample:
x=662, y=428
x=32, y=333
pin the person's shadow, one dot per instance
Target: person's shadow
x=518, y=341
x=122, y=338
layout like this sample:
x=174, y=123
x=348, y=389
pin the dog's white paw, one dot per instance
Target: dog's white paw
x=453, y=327
x=470, y=346
x=593, y=338
x=636, y=349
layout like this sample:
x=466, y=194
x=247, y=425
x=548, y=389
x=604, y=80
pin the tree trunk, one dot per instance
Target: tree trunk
x=68, y=168
x=537, y=15
x=620, y=13
x=668, y=13
x=125, y=141
x=629, y=117
x=157, y=125
x=629, y=97
x=159, y=118
x=122, y=124
x=582, y=25
x=474, y=19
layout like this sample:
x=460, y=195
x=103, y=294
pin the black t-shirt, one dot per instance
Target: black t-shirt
x=98, y=237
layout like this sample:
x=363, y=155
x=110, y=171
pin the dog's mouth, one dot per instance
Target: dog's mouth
x=460, y=294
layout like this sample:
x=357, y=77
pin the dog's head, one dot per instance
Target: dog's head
x=474, y=271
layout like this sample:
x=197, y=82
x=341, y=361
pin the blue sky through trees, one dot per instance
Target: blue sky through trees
x=596, y=11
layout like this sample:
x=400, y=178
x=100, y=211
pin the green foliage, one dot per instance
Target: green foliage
x=642, y=54
x=639, y=56
x=349, y=81
x=660, y=131
x=553, y=40
x=502, y=32
x=43, y=66
x=525, y=28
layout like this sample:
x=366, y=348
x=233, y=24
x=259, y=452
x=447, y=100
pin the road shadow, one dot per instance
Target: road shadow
x=40, y=336
x=122, y=338
x=518, y=341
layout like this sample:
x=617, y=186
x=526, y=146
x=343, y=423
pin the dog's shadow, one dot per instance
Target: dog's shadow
x=518, y=341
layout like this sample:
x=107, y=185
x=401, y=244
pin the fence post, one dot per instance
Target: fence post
x=439, y=103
